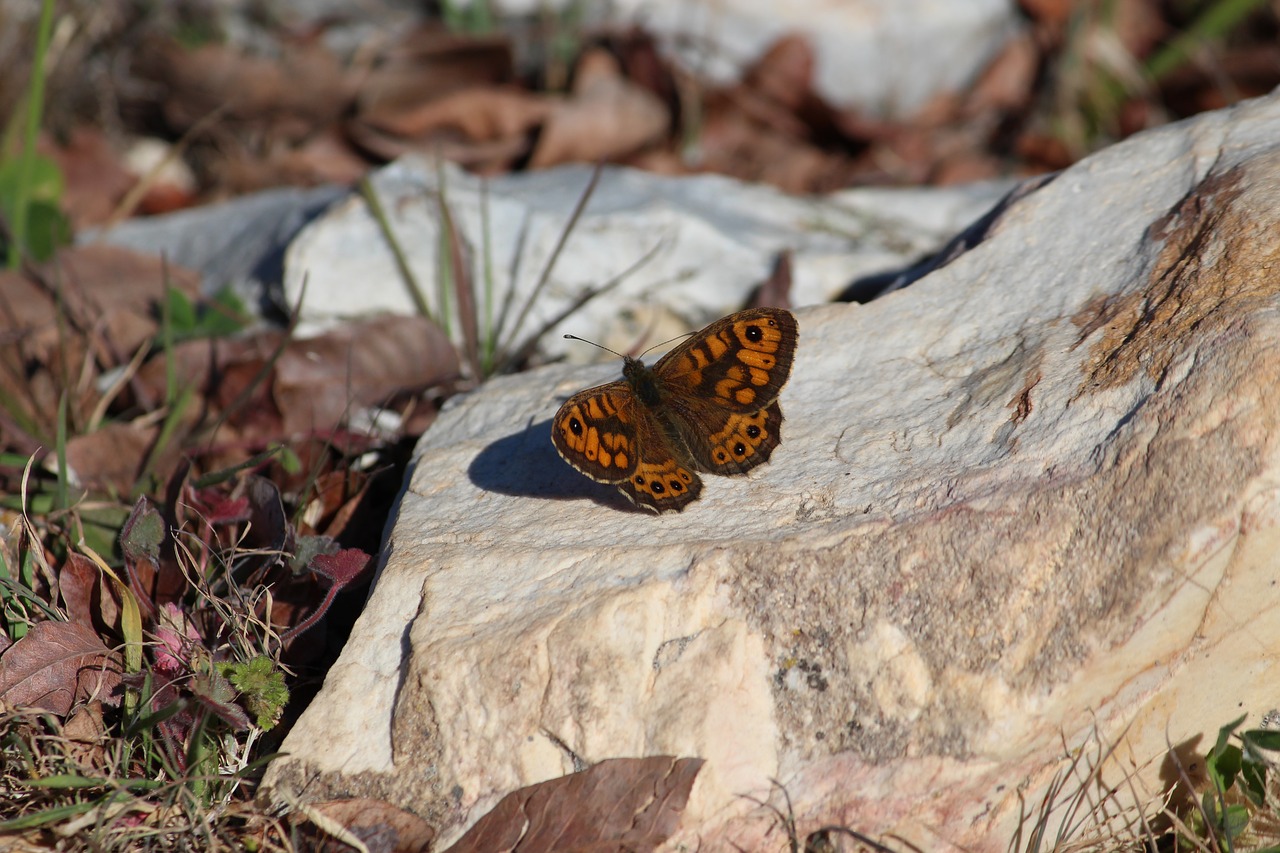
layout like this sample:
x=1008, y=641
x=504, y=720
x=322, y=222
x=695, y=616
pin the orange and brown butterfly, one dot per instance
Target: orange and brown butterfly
x=711, y=405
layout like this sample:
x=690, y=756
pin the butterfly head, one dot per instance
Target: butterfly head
x=643, y=381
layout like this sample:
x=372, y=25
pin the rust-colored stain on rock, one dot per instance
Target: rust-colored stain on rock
x=1221, y=250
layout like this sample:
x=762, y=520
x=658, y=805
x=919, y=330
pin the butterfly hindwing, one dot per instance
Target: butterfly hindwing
x=736, y=443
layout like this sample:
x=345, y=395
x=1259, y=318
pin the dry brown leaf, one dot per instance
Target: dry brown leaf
x=606, y=117
x=289, y=97
x=87, y=739
x=105, y=288
x=1008, y=82
x=429, y=63
x=327, y=157
x=110, y=458
x=381, y=826
x=733, y=144
x=775, y=291
x=78, y=586
x=55, y=666
x=317, y=382
x=88, y=309
x=96, y=176
x=785, y=73
x=475, y=114
x=630, y=804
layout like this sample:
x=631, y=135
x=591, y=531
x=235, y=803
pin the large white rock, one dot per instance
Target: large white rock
x=884, y=57
x=1032, y=500
x=687, y=250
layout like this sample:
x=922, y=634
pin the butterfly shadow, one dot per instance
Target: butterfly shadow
x=526, y=463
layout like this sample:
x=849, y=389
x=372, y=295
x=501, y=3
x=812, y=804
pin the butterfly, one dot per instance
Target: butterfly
x=710, y=405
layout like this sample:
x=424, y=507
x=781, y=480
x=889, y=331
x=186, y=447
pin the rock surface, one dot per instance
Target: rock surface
x=1030, y=502
x=882, y=57
x=685, y=250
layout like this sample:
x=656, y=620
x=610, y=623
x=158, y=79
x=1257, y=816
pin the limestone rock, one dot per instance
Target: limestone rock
x=684, y=251
x=884, y=57
x=1029, y=501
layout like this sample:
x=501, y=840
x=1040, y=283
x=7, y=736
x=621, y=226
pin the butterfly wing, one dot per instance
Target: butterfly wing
x=721, y=387
x=728, y=443
x=739, y=363
x=606, y=434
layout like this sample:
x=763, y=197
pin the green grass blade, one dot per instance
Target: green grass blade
x=35, y=110
x=1217, y=20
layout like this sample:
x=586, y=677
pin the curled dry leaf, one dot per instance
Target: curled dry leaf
x=606, y=117
x=619, y=804
x=381, y=826
x=289, y=98
x=56, y=666
x=478, y=125
x=784, y=74
x=78, y=586
x=111, y=458
x=430, y=62
x=95, y=174
x=775, y=291
x=319, y=381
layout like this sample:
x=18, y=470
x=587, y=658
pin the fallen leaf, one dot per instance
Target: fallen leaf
x=631, y=804
x=775, y=291
x=111, y=457
x=784, y=74
x=606, y=118
x=106, y=295
x=1007, y=84
x=288, y=97
x=314, y=384
x=88, y=742
x=381, y=826
x=268, y=535
x=57, y=665
x=430, y=62
x=479, y=125
x=78, y=581
x=318, y=381
x=95, y=174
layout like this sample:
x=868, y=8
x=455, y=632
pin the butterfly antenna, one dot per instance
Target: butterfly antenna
x=620, y=355
x=594, y=344
x=667, y=341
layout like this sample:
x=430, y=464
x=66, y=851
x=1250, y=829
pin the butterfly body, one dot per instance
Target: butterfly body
x=709, y=405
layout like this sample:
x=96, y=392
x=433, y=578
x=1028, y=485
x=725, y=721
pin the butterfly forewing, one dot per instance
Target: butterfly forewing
x=738, y=363
x=595, y=432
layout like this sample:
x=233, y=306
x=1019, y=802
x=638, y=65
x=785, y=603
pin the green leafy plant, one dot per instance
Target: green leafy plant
x=1238, y=811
